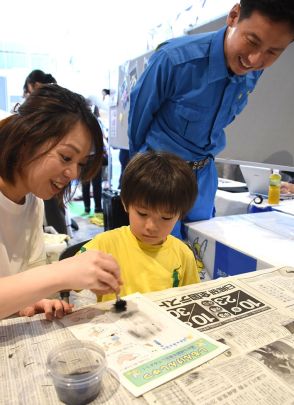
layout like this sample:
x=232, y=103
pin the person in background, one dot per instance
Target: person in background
x=158, y=188
x=104, y=109
x=105, y=93
x=97, y=193
x=124, y=158
x=194, y=86
x=287, y=185
x=36, y=79
x=287, y=188
x=52, y=139
x=96, y=182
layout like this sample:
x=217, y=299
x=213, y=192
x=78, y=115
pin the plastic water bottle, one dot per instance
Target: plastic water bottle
x=274, y=188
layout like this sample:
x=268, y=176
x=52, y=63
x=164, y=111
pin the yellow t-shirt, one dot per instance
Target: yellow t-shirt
x=144, y=267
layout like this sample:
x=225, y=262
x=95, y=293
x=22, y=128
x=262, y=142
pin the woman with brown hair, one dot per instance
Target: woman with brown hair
x=52, y=139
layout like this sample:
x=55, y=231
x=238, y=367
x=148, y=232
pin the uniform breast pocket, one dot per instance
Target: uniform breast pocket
x=195, y=123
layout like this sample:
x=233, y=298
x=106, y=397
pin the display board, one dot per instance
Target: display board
x=121, y=87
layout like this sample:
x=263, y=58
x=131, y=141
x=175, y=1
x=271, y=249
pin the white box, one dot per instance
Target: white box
x=242, y=243
x=54, y=245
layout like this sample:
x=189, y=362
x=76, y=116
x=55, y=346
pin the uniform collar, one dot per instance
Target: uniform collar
x=217, y=69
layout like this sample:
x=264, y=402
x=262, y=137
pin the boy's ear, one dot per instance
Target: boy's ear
x=233, y=16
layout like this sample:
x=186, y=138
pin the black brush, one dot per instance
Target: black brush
x=120, y=305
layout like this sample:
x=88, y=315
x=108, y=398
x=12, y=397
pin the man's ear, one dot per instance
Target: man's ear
x=233, y=16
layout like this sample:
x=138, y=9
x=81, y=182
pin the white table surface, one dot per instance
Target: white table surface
x=227, y=203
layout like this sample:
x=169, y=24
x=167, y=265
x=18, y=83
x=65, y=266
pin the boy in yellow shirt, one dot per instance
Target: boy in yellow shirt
x=158, y=188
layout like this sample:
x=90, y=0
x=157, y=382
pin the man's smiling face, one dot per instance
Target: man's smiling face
x=254, y=43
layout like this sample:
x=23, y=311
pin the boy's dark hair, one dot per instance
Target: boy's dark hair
x=275, y=10
x=159, y=181
x=46, y=116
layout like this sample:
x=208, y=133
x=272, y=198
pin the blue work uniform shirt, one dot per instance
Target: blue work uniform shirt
x=186, y=97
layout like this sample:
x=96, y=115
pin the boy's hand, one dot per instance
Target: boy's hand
x=52, y=309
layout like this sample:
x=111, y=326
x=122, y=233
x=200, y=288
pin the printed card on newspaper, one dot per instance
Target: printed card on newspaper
x=144, y=345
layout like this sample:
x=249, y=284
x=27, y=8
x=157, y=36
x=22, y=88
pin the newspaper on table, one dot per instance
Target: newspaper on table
x=24, y=380
x=254, y=315
x=24, y=346
x=258, y=327
x=144, y=345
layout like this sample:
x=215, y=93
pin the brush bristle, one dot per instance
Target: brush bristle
x=120, y=305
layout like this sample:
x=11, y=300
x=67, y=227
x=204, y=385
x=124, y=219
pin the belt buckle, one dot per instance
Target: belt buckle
x=200, y=164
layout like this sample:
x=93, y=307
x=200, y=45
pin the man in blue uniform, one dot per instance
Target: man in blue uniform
x=194, y=86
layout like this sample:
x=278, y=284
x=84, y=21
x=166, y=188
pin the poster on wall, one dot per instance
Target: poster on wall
x=133, y=77
x=112, y=121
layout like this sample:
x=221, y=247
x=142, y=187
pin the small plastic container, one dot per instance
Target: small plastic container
x=77, y=368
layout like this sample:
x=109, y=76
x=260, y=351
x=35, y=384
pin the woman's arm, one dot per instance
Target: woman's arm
x=90, y=270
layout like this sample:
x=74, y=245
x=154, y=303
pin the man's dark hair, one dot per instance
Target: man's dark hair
x=159, y=181
x=275, y=10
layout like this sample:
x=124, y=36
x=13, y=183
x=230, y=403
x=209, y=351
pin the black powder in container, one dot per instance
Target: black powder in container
x=77, y=369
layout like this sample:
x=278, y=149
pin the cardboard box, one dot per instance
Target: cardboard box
x=239, y=244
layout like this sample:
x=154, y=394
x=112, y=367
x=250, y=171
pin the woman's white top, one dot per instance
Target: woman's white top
x=21, y=235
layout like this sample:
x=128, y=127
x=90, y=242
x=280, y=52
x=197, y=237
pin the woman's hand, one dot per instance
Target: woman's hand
x=92, y=270
x=52, y=308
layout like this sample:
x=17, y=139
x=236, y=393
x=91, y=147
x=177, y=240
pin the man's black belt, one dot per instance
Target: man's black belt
x=198, y=164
